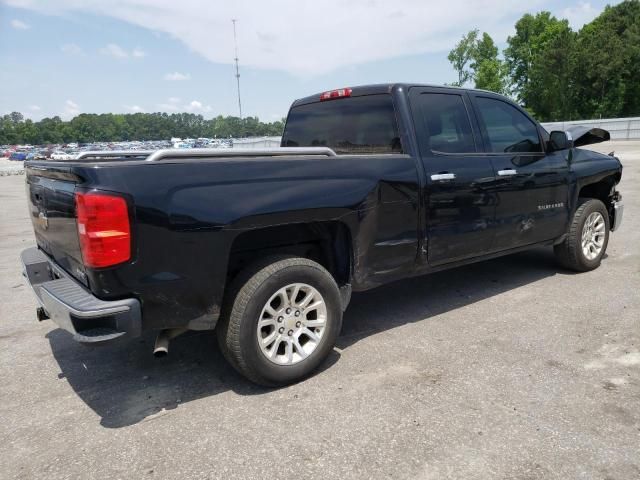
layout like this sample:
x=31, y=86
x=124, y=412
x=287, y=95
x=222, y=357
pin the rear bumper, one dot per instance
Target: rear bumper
x=75, y=309
x=618, y=210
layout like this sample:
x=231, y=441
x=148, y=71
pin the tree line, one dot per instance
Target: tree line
x=112, y=127
x=557, y=73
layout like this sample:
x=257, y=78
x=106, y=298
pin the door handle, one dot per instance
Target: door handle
x=438, y=177
x=506, y=172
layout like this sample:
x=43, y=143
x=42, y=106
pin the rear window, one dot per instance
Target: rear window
x=364, y=124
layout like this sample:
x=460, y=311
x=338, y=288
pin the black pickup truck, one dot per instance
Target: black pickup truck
x=372, y=184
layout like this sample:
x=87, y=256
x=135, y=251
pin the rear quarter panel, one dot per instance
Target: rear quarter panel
x=188, y=214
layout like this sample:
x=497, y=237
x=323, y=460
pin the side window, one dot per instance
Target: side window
x=508, y=129
x=447, y=123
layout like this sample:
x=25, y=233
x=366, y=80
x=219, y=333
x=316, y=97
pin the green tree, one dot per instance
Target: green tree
x=489, y=72
x=109, y=127
x=491, y=75
x=525, y=47
x=462, y=55
x=607, y=63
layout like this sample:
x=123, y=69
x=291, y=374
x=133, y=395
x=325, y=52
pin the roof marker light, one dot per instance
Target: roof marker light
x=332, y=94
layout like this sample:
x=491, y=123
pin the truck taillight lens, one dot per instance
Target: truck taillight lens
x=103, y=229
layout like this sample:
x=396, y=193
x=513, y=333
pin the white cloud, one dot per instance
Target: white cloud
x=177, y=76
x=20, y=25
x=338, y=36
x=72, y=49
x=35, y=108
x=196, y=106
x=134, y=108
x=174, y=104
x=580, y=14
x=116, y=51
x=71, y=109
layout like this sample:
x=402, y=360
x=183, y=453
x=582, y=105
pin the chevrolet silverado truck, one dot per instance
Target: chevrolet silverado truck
x=371, y=184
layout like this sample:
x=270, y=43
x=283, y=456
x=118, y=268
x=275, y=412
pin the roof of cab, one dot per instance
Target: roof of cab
x=381, y=88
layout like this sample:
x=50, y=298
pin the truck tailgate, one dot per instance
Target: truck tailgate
x=51, y=201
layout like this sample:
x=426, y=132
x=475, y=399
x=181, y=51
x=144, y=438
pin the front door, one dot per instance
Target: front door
x=531, y=187
x=459, y=206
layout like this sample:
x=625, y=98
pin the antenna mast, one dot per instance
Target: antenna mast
x=235, y=41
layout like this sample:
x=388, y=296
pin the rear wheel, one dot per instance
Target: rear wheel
x=282, y=321
x=587, y=238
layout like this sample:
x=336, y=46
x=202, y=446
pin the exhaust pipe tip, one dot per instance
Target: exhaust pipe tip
x=161, y=348
x=160, y=352
x=41, y=314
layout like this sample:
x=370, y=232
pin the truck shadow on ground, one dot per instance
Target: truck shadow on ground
x=124, y=384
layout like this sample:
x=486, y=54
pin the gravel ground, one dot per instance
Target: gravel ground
x=10, y=167
x=510, y=369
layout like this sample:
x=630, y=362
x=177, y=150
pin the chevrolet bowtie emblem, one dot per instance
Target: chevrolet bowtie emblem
x=43, y=220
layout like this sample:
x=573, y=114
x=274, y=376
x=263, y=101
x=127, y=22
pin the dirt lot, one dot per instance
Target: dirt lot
x=507, y=369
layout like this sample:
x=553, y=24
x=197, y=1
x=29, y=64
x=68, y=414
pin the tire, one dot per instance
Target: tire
x=265, y=285
x=570, y=252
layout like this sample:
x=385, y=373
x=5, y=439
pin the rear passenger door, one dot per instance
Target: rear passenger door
x=531, y=188
x=459, y=207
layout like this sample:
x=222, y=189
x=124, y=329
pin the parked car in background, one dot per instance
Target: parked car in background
x=19, y=156
x=59, y=155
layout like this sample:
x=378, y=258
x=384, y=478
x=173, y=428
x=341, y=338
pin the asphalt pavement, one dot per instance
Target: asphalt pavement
x=510, y=369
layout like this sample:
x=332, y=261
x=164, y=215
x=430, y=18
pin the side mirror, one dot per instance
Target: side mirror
x=559, y=140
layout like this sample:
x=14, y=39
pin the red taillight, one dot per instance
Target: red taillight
x=331, y=94
x=103, y=228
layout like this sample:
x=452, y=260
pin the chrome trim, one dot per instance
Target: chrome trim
x=438, y=177
x=618, y=211
x=507, y=172
x=155, y=155
x=240, y=152
x=113, y=153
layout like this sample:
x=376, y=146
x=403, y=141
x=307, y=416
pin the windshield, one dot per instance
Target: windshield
x=365, y=124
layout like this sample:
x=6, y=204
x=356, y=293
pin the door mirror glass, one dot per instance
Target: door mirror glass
x=560, y=140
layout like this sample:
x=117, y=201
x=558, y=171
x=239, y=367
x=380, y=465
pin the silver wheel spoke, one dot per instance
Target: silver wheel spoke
x=269, y=339
x=284, y=298
x=294, y=295
x=314, y=323
x=311, y=334
x=313, y=306
x=269, y=309
x=287, y=322
x=274, y=350
x=288, y=351
x=593, y=235
x=306, y=300
x=265, y=322
x=299, y=348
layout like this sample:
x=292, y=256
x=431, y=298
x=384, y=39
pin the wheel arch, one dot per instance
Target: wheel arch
x=327, y=242
x=601, y=189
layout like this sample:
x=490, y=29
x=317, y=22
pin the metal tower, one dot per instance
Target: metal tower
x=235, y=41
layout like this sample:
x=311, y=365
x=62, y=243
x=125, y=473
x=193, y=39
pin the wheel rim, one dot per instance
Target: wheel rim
x=593, y=234
x=292, y=324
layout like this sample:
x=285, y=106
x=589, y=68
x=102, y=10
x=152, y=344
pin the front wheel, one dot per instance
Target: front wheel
x=587, y=239
x=282, y=321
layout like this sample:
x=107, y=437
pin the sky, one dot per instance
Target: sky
x=65, y=57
